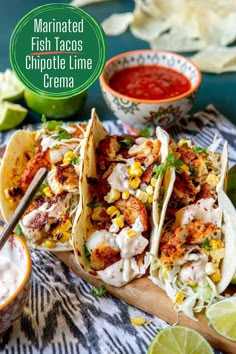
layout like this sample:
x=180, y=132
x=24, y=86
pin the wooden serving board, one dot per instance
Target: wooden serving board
x=145, y=295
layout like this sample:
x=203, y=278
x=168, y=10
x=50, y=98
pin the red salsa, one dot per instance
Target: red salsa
x=150, y=82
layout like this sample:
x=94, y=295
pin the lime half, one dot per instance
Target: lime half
x=11, y=89
x=11, y=115
x=222, y=317
x=179, y=340
x=52, y=107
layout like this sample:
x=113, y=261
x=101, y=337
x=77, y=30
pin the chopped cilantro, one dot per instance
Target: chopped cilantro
x=200, y=150
x=94, y=204
x=192, y=170
x=18, y=230
x=206, y=245
x=127, y=141
x=61, y=134
x=147, y=132
x=159, y=170
x=87, y=253
x=184, y=144
x=99, y=291
x=171, y=162
x=121, y=270
x=52, y=124
x=74, y=160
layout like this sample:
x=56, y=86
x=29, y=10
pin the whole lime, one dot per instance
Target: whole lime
x=52, y=107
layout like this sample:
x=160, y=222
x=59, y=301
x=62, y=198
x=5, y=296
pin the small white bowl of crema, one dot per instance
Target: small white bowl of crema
x=15, y=280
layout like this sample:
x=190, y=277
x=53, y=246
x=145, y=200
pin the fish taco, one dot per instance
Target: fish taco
x=47, y=223
x=113, y=230
x=193, y=259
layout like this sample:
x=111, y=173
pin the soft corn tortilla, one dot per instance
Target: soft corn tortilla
x=226, y=220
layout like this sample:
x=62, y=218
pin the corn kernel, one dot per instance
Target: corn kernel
x=134, y=182
x=150, y=199
x=135, y=170
x=216, y=244
x=47, y=191
x=111, y=209
x=112, y=196
x=63, y=236
x=115, y=214
x=213, y=180
x=49, y=244
x=136, y=164
x=153, y=181
x=138, y=321
x=143, y=196
x=216, y=277
x=63, y=227
x=179, y=297
x=185, y=167
x=149, y=190
x=119, y=222
x=68, y=156
x=131, y=233
x=96, y=214
x=125, y=194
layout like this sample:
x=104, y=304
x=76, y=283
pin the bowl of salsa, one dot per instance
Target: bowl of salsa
x=149, y=88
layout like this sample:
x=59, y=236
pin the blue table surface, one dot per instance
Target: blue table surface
x=219, y=90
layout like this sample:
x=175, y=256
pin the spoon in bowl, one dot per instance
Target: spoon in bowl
x=23, y=205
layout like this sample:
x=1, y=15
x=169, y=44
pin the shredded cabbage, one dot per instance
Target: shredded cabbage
x=196, y=297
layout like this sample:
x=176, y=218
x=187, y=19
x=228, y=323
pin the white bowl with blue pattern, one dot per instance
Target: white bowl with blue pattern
x=137, y=114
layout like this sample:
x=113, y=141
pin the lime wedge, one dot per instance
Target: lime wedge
x=179, y=340
x=11, y=115
x=233, y=281
x=11, y=89
x=52, y=107
x=222, y=317
x=231, y=185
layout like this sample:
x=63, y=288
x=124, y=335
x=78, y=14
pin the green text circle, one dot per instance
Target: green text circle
x=57, y=50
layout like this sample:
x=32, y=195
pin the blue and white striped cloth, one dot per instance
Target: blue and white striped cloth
x=62, y=317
